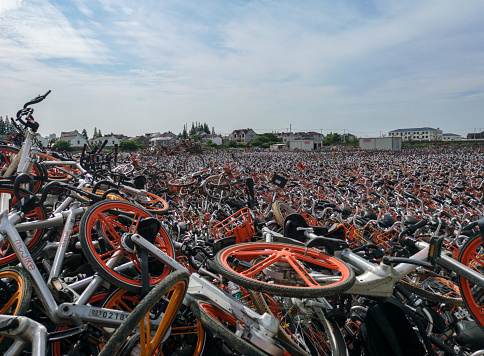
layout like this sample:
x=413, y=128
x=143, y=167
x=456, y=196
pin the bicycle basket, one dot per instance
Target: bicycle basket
x=239, y=224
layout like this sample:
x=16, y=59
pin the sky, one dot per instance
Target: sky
x=135, y=67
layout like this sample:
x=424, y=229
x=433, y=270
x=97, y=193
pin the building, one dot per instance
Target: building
x=418, y=134
x=311, y=135
x=74, y=138
x=381, y=143
x=451, y=137
x=285, y=136
x=475, y=136
x=213, y=137
x=243, y=136
x=306, y=145
x=112, y=141
x=141, y=140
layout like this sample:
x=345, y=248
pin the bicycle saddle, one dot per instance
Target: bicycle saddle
x=410, y=220
x=387, y=220
x=147, y=227
x=293, y=221
x=470, y=335
x=369, y=215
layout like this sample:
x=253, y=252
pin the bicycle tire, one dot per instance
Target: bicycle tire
x=182, y=182
x=53, y=173
x=217, y=188
x=101, y=234
x=297, y=282
x=158, y=179
x=32, y=238
x=165, y=298
x=155, y=204
x=281, y=211
x=194, y=163
x=16, y=293
x=472, y=255
x=8, y=153
x=214, y=319
x=313, y=336
x=434, y=289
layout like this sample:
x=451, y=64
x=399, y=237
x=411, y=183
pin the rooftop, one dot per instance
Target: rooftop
x=416, y=129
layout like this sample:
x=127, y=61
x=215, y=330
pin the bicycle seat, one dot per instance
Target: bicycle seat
x=410, y=220
x=387, y=220
x=369, y=215
x=293, y=221
x=470, y=335
x=147, y=227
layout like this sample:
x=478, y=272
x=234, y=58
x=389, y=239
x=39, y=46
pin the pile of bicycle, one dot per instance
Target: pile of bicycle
x=334, y=252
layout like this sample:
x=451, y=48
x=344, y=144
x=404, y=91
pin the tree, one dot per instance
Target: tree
x=265, y=138
x=2, y=126
x=99, y=134
x=94, y=135
x=231, y=144
x=62, y=145
x=84, y=133
x=205, y=128
x=131, y=145
x=332, y=138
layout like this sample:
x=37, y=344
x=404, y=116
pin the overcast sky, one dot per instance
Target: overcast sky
x=132, y=67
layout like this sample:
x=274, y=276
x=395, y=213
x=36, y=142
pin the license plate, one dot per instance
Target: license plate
x=108, y=315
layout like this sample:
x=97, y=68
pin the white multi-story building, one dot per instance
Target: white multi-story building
x=418, y=134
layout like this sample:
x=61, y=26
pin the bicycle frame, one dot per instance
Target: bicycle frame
x=64, y=313
x=260, y=330
x=25, y=331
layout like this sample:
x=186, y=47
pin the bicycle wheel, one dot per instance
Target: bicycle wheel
x=281, y=211
x=187, y=336
x=162, y=302
x=31, y=238
x=223, y=325
x=472, y=255
x=217, y=187
x=104, y=231
x=433, y=287
x=124, y=168
x=15, y=295
x=154, y=204
x=182, y=182
x=158, y=179
x=194, y=163
x=8, y=153
x=306, y=329
x=53, y=173
x=283, y=269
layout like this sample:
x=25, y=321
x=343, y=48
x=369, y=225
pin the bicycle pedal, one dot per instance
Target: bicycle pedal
x=61, y=291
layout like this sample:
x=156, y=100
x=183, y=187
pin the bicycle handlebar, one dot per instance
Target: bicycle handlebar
x=37, y=99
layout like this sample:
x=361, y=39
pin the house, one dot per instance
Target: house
x=285, y=136
x=451, y=137
x=112, y=141
x=215, y=139
x=141, y=140
x=74, y=138
x=243, y=136
x=418, y=134
x=162, y=139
